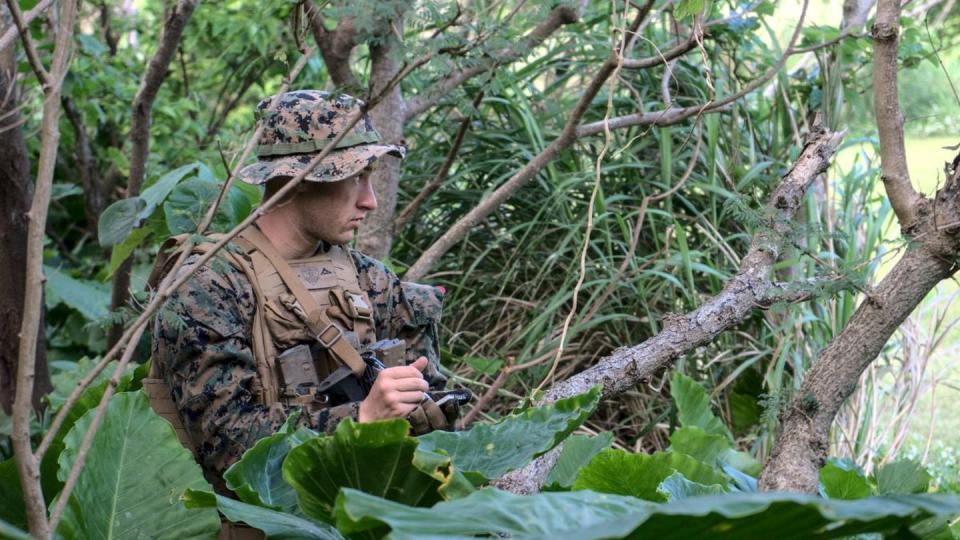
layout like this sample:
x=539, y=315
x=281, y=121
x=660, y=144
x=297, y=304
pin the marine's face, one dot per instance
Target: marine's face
x=332, y=211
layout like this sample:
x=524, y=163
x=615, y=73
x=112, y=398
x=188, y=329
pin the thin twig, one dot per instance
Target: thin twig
x=411, y=209
x=28, y=45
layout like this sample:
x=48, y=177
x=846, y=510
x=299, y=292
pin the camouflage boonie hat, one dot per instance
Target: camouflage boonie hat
x=301, y=125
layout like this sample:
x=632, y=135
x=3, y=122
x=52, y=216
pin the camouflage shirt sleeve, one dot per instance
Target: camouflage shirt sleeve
x=404, y=310
x=202, y=346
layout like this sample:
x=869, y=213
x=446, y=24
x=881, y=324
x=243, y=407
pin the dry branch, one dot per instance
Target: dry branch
x=27, y=465
x=628, y=367
x=10, y=36
x=140, y=133
x=458, y=230
x=559, y=16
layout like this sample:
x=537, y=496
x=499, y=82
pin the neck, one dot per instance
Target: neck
x=283, y=231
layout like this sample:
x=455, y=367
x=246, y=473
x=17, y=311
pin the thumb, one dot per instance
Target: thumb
x=420, y=363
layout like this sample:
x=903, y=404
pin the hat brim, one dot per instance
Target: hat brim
x=338, y=165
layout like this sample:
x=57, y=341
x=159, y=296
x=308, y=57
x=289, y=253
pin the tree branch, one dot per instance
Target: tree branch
x=28, y=46
x=411, y=209
x=140, y=133
x=11, y=34
x=566, y=138
x=893, y=157
x=559, y=16
x=27, y=465
x=335, y=47
x=94, y=194
x=674, y=115
x=628, y=367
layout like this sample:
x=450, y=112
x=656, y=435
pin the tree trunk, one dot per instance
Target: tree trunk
x=802, y=439
x=376, y=233
x=17, y=191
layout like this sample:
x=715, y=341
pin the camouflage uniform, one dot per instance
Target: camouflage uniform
x=202, y=335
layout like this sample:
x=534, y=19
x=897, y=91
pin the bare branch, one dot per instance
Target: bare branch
x=627, y=367
x=11, y=34
x=893, y=157
x=94, y=193
x=140, y=132
x=673, y=115
x=27, y=465
x=566, y=138
x=28, y=45
x=560, y=16
x=411, y=209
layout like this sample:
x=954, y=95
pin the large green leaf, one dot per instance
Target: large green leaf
x=118, y=220
x=697, y=443
x=677, y=487
x=91, y=299
x=12, y=509
x=588, y=515
x=375, y=457
x=903, y=476
x=488, y=451
x=639, y=475
x=488, y=512
x=576, y=453
x=258, y=477
x=156, y=193
x=843, y=479
x=65, y=381
x=133, y=477
x=276, y=525
x=693, y=406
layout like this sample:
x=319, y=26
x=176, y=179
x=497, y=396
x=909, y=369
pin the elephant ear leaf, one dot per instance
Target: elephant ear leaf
x=375, y=457
x=488, y=451
x=258, y=477
x=132, y=478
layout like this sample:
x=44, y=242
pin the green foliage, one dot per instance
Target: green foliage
x=132, y=479
x=902, y=477
x=639, y=475
x=586, y=514
x=257, y=479
x=676, y=487
x=577, y=451
x=842, y=479
x=376, y=458
x=487, y=452
x=693, y=406
x=90, y=299
x=277, y=525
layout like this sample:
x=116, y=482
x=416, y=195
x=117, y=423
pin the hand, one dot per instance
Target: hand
x=396, y=392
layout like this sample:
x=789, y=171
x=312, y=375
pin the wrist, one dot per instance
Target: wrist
x=363, y=415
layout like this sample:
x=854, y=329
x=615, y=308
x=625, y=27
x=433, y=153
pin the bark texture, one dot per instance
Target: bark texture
x=748, y=289
x=16, y=191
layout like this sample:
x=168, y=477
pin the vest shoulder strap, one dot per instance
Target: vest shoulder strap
x=326, y=332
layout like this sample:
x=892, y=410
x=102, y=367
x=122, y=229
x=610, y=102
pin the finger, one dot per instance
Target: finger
x=402, y=372
x=411, y=384
x=420, y=363
x=413, y=397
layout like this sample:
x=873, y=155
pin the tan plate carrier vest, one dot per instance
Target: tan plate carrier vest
x=318, y=299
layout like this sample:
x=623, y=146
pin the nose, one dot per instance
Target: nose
x=366, y=196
